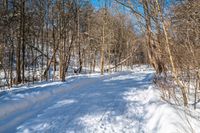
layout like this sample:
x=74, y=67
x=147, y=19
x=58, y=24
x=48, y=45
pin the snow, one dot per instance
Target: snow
x=123, y=102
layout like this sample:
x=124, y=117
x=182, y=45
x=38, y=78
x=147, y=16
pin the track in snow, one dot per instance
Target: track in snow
x=100, y=104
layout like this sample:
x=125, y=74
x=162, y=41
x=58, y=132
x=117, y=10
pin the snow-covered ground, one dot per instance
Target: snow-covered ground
x=123, y=102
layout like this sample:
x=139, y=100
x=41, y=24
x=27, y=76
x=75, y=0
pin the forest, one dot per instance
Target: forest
x=40, y=37
x=48, y=40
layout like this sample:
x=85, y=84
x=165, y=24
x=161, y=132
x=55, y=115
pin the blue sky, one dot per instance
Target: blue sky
x=95, y=3
x=99, y=3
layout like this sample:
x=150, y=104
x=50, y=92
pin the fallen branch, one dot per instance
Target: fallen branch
x=35, y=48
x=120, y=63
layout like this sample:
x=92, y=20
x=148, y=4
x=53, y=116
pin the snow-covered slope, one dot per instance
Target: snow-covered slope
x=124, y=102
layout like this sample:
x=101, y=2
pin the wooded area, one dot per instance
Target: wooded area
x=40, y=37
x=45, y=39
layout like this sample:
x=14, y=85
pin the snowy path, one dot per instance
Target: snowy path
x=120, y=103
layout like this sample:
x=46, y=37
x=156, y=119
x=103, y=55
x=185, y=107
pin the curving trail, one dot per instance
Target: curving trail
x=122, y=102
